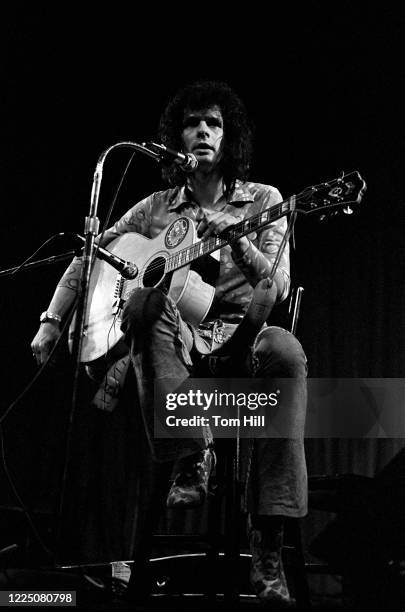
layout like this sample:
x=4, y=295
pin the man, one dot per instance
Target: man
x=208, y=120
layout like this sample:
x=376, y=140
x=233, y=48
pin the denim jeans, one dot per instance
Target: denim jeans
x=162, y=346
x=273, y=470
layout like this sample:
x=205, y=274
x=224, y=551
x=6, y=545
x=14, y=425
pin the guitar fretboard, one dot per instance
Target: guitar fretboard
x=254, y=223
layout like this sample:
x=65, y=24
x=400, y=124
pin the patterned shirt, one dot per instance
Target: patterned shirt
x=236, y=276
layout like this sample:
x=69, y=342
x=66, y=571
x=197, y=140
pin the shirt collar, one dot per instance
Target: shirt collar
x=238, y=196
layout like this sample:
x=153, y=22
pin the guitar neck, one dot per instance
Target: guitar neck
x=186, y=256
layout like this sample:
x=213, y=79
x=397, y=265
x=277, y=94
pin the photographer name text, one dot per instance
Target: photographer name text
x=216, y=421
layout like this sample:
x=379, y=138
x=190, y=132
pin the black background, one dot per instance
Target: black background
x=324, y=84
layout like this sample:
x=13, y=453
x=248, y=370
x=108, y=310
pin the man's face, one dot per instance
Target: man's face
x=203, y=133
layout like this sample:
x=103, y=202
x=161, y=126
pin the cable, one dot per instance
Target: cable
x=45, y=364
x=37, y=375
x=18, y=399
x=283, y=244
x=111, y=208
x=19, y=499
x=26, y=261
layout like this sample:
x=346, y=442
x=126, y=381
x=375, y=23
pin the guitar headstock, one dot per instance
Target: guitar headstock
x=341, y=192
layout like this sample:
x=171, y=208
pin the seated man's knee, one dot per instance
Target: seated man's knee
x=279, y=351
x=142, y=309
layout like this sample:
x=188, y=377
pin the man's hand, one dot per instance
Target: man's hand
x=213, y=222
x=45, y=340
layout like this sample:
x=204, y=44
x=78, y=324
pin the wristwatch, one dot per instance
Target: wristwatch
x=51, y=317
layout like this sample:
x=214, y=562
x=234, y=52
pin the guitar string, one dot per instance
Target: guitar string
x=212, y=245
x=209, y=246
x=211, y=242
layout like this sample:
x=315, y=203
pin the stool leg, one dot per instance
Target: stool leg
x=152, y=495
x=232, y=527
x=301, y=582
x=214, y=535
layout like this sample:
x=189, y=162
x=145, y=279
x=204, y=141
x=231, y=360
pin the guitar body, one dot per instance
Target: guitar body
x=108, y=290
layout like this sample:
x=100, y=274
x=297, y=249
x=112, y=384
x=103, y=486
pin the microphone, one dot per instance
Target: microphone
x=187, y=161
x=127, y=269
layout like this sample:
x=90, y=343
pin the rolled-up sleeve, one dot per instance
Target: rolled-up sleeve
x=256, y=262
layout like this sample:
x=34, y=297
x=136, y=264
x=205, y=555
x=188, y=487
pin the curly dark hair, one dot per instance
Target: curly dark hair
x=238, y=128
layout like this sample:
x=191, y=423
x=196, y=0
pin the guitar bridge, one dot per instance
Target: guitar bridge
x=118, y=301
x=117, y=306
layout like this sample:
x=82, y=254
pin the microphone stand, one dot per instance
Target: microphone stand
x=91, y=228
x=48, y=261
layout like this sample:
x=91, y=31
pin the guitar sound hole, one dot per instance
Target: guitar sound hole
x=154, y=272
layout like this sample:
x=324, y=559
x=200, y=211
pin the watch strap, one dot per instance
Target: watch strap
x=48, y=316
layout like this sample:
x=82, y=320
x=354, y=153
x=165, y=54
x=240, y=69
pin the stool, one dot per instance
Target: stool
x=216, y=565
